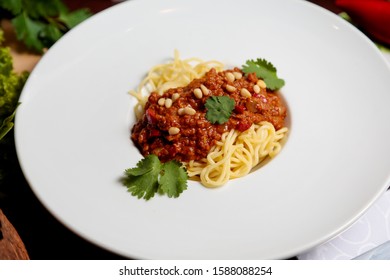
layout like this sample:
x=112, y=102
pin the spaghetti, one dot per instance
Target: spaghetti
x=173, y=74
x=237, y=153
x=172, y=119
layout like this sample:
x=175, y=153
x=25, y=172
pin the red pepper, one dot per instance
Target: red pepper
x=151, y=116
x=372, y=16
x=243, y=125
x=239, y=109
x=154, y=132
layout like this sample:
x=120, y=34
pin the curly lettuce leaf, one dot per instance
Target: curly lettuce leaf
x=11, y=85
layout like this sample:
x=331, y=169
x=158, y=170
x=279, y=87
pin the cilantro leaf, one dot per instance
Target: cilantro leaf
x=264, y=70
x=219, y=108
x=151, y=176
x=71, y=19
x=40, y=23
x=174, y=179
x=13, y=6
x=142, y=181
x=41, y=8
x=49, y=34
x=27, y=30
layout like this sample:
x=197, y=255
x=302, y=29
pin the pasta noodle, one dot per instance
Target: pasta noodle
x=177, y=73
x=236, y=153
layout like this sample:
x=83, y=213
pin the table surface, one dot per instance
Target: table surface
x=44, y=236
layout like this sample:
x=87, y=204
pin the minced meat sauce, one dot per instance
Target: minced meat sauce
x=174, y=125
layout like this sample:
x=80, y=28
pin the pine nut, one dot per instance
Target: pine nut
x=161, y=101
x=173, y=130
x=230, y=77
x=175, y=96
x=168, y=103
x=181, y=111
x=256, y=89
x=237, y=75
x=198, y=93
x=204, y=89
x=189, y=111
x=245, y=93
x=230, y=88
x=261, y=84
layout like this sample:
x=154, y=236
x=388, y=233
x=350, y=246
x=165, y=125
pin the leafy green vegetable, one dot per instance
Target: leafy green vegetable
x=151, y=176
x=7, y=125
x=173, y=179
x=264, y=70
x=40, y=23
x=142, y=181
x=219, y=108
x=28, y=30
x=11, y=85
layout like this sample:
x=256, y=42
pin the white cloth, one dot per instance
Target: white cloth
x=370, y=231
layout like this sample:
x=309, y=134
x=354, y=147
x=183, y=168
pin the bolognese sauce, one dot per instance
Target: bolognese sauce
x=174, y=125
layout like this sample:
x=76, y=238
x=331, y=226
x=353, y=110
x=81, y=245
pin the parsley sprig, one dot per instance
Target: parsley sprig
x=219, y=108
x=264, y=70
x=151, y=176
x=40, y=23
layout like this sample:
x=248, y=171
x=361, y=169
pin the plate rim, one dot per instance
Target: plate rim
x=106, y=246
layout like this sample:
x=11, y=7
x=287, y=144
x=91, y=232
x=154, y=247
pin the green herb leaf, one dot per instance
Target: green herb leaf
x=41, y=9
x=49, y=34
x=11, y=85
x=6, y=64
x=151, y=176
x=13, y=6
x=27, y=30
x=219, y=108
x=7, y=125
x=71, y=19
x=142, y=181
x=264, y=70
x=174, y=179
x=40, y=23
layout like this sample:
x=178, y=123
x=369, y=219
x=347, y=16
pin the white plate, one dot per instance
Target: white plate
x=73, y=129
